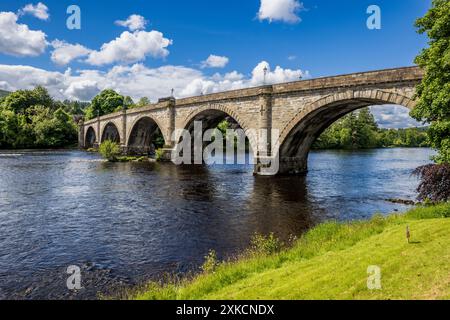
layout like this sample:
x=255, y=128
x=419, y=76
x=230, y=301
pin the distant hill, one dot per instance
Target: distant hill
x=4, y=93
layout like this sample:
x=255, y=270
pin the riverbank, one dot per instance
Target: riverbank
x=331, y=260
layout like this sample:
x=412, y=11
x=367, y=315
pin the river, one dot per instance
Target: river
x=126, y=223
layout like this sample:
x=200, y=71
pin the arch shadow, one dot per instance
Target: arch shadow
x=210, y=118
x=111, y=133
x=145, y=137
x=302, y=131
x=90, y=138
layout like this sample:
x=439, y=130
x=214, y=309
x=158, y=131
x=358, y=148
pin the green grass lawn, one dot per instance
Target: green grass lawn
x=331, y=261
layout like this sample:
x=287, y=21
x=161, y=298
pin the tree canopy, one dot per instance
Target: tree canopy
x=107, y=101
x=32, y=119
x=434, y=91
x=359, y=130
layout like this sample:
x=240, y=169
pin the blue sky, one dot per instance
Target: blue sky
x=309, y=38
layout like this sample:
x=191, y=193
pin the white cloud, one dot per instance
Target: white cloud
x=64, y=52
x=214, y=61
x=136, y=80
x=17, y=39
x=235, y=80
x=133, y=22
x=278, y=75
x=82, y=90
x=394, y=116
x=130, y=48
x=39, y=11
x=26, y=77
x=280, y=10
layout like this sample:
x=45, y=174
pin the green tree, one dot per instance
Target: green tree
x=74, y=107
x=359, y=130
x=14, y=130
x=128, y=102
x=19, y=101
x=105, y=102
x=53, y=129
x=433, y=92
x=29, y=119
x=144, y=101
x=367, y=129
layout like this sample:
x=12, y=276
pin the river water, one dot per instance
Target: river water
x=125, y=223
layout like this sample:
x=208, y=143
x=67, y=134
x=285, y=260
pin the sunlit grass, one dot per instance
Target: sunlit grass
x=331, y=261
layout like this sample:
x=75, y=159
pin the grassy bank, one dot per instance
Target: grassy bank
x=331, y=261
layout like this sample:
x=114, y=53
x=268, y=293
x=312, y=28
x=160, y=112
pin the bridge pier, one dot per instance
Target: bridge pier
x=123, y=136
x=285, y=116
x=166, y=154
x=81, y=135
x=293, y=165
x=266, y=166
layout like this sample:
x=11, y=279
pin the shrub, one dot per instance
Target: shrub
x=265, y=245
x=210, y=263
x=435, y=182
x=110, y=150
x=159, y=154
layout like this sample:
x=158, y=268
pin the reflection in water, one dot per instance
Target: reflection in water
x=129, y=222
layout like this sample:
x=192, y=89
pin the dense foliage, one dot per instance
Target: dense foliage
x=435, y=182
x=32, y=119
x=144, y=101
x=110, y=150
x=434, y=92
x=359, y=130
x=107, y=101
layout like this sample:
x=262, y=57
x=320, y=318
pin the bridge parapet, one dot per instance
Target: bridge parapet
x=299, y=110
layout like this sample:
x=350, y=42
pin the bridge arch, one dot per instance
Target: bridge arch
x=90, y=138
x=298, y=136
x=212, y=115
x=110, y=132
x=143, y=134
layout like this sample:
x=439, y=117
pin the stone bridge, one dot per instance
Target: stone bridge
x=299, y=111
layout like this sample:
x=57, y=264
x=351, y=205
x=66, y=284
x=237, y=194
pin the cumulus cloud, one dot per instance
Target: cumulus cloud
x=278, y=75
x=140, y=81
x=39, y=11
x=82, y=90
x=17, y=39
x=130, y=48
x=214, y=61
x=26, y=77
x=235, y=80
x=136, y=80
x=280, y=10
x=64, y=52
x=133, y=22
x=394, y=116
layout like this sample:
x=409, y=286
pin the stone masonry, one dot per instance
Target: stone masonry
x=298, y=111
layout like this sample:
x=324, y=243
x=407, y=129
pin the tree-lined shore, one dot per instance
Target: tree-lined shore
x=32, y=119
x=359, y=130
